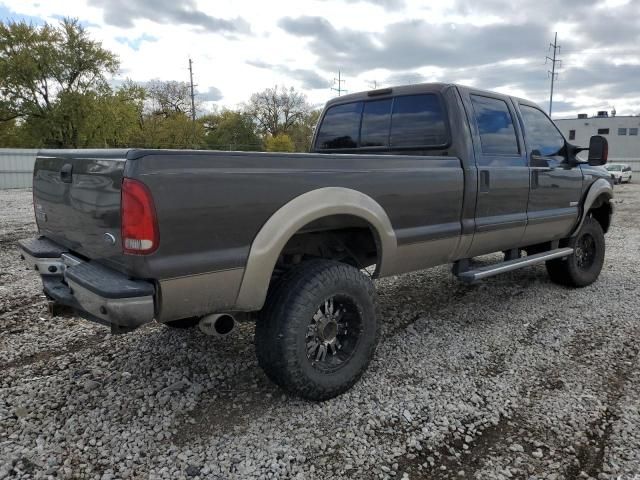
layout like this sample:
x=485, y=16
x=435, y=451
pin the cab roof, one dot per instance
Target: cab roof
x=415, y=89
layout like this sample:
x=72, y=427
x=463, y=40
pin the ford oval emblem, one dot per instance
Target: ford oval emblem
x=109, y=238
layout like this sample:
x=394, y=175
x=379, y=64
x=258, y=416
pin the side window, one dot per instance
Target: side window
x=572, y=134
x=540, y=132
x=340, y=127
x=497, y=133
x=633, y=131
x=418, y=121
x=376, y=118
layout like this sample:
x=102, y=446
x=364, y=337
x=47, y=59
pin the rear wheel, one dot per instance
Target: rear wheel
x=318, y=330
x=583, y=267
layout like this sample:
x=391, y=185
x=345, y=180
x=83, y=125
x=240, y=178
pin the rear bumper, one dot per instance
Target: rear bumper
x=97, y=293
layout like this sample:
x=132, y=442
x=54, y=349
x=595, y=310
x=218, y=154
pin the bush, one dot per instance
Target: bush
x=279, y=143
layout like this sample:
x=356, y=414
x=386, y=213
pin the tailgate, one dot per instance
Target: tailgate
x=76, y=197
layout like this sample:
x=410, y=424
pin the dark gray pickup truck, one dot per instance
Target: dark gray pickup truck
x=399, y=179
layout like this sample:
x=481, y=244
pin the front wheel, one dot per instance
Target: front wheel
x=318, y=330
x=583, y=267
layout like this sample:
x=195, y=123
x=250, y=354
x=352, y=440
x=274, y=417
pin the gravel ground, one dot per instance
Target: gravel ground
x=511, y=378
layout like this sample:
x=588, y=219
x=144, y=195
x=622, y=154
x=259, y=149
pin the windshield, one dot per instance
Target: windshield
x=614, y=168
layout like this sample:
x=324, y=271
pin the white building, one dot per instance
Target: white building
x=621, y=132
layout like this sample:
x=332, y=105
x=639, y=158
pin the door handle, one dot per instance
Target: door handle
x=66, y=172
x=539, y=161
x=485, y=181
x=535, y=179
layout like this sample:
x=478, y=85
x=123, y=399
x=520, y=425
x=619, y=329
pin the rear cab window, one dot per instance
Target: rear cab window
x=403, y=122
x=418, y=120
x=495, y=126
x=340, y=127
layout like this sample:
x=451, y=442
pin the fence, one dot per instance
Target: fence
x=16, y=167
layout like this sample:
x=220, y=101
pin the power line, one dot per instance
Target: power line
x=552, y=72
x=339, y=81
x=193, y=95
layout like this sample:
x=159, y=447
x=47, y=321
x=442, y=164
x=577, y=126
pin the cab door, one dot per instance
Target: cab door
x=556, y=183
x=503, y=174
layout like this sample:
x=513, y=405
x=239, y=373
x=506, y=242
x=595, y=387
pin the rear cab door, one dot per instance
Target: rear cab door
x=403, y=140
x=503, y=174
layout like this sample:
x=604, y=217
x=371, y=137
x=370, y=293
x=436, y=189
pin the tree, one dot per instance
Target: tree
x=13, y=135
x=276, y=110
x=302, y=132
x=279, y=143
x=114, y=119
x=231, y=130
x=169, y=97
x=47, y=72
x=175, y=131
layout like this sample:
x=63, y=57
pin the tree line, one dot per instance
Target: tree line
x=55, y=93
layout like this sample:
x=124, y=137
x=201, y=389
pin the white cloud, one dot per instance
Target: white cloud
x=241, y=47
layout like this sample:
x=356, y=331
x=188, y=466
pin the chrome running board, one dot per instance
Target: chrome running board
x=470, y=276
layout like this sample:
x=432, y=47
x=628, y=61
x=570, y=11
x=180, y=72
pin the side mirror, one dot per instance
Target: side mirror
x=598, y=150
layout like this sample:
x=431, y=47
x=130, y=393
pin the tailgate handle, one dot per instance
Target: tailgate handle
x=65, y=172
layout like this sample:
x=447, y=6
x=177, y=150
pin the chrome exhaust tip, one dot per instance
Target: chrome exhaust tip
x=217, y=324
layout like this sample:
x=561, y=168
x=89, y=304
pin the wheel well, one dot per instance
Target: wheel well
x=345, y=238
x=601, y=211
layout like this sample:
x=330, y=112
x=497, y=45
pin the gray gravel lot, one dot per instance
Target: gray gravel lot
x=511, y=378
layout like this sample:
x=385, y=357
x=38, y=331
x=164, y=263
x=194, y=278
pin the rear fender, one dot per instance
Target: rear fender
x=289, y=219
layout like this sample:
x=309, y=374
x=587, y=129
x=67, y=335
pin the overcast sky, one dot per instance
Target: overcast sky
x=239, y=47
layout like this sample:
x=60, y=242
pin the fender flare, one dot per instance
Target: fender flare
x=290, y=218
x=598, y=188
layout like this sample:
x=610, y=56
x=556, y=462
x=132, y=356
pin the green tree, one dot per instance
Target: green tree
x=232, y=130
x=302, y=132
x=276, y=110
x=174, y=131
x=279, y=143
x=50, y=75
x=168, y=97
x=13, y=135
x=113, y=119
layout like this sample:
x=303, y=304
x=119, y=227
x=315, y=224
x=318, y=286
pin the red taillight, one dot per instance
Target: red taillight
x=138, y=216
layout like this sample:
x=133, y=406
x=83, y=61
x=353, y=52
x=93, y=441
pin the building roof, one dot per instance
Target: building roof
x=617, y=117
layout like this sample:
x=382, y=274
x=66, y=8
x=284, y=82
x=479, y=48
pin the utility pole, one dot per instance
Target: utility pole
x=552, y=72
x=193, y=95
x=339, y=81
